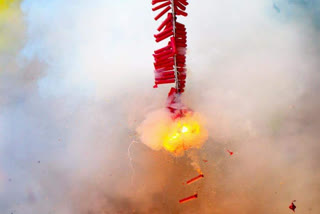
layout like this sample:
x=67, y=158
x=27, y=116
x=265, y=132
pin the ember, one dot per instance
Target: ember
x=230, y=152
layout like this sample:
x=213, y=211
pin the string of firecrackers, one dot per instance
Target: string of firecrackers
x=170, y=61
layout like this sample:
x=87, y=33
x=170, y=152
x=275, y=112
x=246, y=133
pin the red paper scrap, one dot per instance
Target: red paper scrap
x=230, y=152
x=292, y=206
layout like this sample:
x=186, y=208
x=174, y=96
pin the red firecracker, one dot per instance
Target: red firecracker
x=172, y=57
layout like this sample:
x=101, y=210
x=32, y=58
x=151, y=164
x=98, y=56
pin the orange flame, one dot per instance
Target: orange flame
x=184, y=133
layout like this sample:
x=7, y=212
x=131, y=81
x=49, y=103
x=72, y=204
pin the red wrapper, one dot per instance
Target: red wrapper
x=162, y=13
x=164, y=81
x=164, y=32
x=180, y=25
x=169, y=60
x=184, y=2
x=157, y=1
x=163, y=65
x=181, y=40
x=163, y=58
x=159, y=39
x=168, y=47
x=164, y=77
x=161, y=6
x=158, y=62
x=163, y=53
x=180, y=12
x=168, y=20
x=164, y=69
x=181, y=6
x=181, y=69
x=163, y=73
x=173, y=45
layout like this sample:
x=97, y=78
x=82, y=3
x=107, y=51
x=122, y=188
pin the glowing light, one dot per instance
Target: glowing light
x=184, y=129
x=184, y=133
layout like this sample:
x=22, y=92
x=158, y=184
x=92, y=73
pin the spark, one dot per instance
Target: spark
x=130, y=160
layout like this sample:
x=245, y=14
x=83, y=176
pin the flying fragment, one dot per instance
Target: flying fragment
x=195, y=179
x=292, y=206
x=188, y=198
x=230, y=152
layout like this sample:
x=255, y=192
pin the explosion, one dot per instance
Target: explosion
x=182, y=134
x=160, y=131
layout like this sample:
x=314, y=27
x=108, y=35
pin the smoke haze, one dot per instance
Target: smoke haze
x=76, y=81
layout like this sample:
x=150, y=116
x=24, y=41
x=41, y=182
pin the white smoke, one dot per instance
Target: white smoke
x=72, y=98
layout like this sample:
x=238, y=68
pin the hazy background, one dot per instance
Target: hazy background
x=76, y=80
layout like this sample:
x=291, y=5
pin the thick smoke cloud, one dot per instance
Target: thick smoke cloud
x=77, y=82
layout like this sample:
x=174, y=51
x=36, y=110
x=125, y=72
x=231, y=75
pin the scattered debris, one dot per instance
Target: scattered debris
x=230, y=152
x=292, y=206
x=188, y=198
x=195, y=179
x=205, y=161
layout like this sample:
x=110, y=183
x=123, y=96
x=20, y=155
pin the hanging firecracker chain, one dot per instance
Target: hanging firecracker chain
x=169, y=61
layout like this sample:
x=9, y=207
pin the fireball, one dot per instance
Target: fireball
x=185, y=133
x=160, y=132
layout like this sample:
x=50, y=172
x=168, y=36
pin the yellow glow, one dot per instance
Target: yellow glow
x=5, y=4
x=182, y=135
x=12, y=23
x=184, y=129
